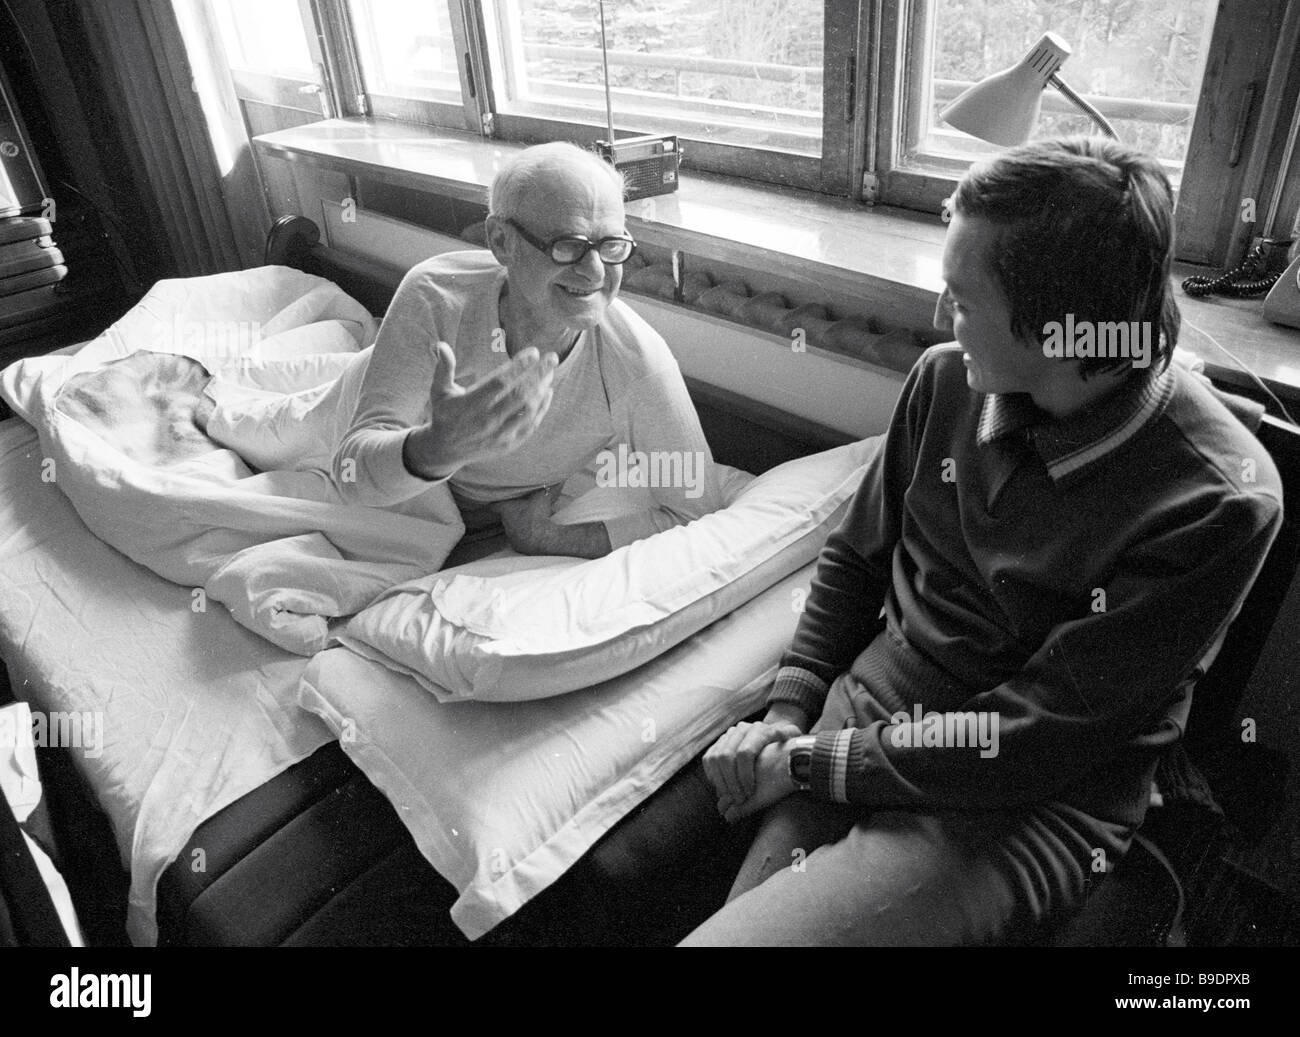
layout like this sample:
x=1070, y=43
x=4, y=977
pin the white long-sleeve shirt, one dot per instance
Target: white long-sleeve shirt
x=618, y=397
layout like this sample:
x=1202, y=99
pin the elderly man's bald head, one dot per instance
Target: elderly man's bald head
x=548, y=169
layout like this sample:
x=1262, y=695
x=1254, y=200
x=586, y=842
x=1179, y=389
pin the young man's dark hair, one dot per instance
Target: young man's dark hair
x=1086, y=227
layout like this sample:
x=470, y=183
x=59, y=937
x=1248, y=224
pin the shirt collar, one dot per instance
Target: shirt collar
x=1070, y=444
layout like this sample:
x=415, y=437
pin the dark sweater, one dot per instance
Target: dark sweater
x=1065, y=580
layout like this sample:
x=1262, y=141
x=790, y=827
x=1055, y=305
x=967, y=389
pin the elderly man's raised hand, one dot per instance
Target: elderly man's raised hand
x=485, y=420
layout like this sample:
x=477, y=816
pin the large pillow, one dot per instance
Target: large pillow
x=528, y=628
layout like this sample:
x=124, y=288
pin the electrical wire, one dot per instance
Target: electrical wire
x=1249, y=373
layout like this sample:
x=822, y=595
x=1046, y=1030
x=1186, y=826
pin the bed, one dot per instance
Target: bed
x=304, y=849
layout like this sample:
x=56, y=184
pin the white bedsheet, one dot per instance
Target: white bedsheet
x=196, y=710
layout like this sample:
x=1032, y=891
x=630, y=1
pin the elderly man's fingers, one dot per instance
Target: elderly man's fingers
x=542, y=404
x=532, y=407
x=488, y=410
x=527, y=410
x=521, y=387
x=444, y=374
x=514, y=430
x=527, y=363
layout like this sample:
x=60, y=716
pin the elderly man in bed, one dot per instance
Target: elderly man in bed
x=1003, y=634
x=507, y=373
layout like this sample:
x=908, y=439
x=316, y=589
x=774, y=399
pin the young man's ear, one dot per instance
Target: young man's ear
x=494, y=229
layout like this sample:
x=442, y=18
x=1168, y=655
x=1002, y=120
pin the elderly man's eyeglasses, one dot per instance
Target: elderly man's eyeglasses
x=568, y=249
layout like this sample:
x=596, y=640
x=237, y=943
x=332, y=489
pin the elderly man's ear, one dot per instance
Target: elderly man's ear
x=494, y=230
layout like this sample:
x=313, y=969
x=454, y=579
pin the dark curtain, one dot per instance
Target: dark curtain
x=212, y=219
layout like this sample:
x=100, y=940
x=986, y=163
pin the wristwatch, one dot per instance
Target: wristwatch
x=800, y=761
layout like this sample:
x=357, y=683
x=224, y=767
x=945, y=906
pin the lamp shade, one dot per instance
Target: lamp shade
x=1003, y=108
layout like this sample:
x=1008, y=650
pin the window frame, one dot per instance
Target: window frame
x=480, y=112
x=286, y=91
x=355, y=99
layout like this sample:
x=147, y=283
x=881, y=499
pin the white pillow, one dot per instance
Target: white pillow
x=527, y=628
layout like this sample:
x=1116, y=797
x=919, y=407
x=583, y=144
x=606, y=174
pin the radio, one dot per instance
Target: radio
x=649, y=164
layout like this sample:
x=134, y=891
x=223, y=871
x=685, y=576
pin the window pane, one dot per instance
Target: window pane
x=1139, y=64
x=265, y=36
x=407, y=49
x=745, y=72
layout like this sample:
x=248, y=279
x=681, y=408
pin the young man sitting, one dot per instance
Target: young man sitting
x=1003, y=635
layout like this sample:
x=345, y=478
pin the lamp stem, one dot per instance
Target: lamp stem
x=1088, y=109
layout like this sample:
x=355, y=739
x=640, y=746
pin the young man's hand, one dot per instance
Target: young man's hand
x=731, y=764
x=772, y=782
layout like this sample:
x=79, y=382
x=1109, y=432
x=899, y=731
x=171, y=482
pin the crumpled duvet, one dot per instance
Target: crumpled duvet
x=117, y=433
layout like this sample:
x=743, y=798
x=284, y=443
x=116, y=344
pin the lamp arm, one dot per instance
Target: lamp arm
x=1088, y=109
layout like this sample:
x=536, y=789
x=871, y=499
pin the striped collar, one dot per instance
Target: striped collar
x=1071, y=444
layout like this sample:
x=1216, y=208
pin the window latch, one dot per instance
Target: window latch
x=870, y=188
x=850, y=87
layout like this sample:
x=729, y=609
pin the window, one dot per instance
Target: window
x=754, y=88
x=264, y=36
x=742, y=72
x=406, y=49
x=272, y=56
x=1140, y=65
x=836, y=96
x=1198, y=83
